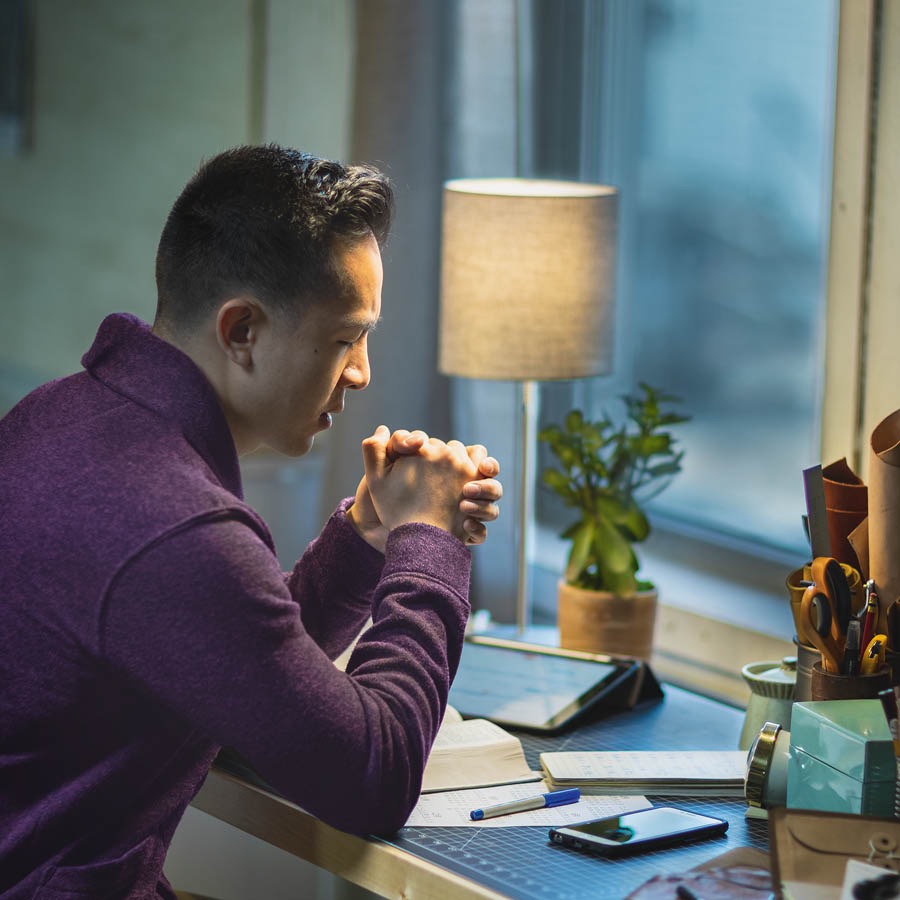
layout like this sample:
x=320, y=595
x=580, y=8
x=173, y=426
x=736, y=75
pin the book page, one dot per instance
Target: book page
x=475, y=753
x=451, y=714
x=472, y=733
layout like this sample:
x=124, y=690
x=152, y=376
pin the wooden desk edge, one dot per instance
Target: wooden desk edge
x=369, y=863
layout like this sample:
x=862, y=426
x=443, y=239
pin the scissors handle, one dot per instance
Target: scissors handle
x=807, y=624
x=829, y=579
x=816, y=620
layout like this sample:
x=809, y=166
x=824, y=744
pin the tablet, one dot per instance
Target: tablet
x=534, y=687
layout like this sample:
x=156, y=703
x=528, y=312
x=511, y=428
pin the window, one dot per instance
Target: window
x=715, y=121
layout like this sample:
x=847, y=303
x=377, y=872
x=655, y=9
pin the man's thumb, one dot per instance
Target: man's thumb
x=375, y=453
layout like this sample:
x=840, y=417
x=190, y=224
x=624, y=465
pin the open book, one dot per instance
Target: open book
x=699, y=773
x=474, y=753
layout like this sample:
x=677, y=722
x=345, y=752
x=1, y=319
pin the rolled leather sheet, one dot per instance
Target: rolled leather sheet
x=846, y=506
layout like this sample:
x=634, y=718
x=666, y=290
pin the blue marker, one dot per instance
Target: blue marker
x=554, y=798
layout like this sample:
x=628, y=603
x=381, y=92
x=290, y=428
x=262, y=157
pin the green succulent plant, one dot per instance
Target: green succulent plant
x=607, y=472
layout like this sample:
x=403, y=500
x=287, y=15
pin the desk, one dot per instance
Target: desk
x=519, y=862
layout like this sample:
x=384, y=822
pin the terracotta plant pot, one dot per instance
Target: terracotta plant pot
x=601, y=622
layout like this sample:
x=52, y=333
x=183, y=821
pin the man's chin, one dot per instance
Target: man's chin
x=303, y=448
x=299, y=447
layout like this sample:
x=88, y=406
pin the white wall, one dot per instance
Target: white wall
x=127, y=98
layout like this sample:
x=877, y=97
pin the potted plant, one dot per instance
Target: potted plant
x=607, y=472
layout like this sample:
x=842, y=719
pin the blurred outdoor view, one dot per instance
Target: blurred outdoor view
x=724, y=291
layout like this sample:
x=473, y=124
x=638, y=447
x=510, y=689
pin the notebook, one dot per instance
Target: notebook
x=695, y=773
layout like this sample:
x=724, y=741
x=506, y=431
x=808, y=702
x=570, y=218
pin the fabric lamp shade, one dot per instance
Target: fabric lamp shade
x=527, y=279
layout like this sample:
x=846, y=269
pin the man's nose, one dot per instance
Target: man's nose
x=358, y=373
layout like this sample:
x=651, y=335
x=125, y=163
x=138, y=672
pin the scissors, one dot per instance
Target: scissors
x=829, y=581
x=816, y=621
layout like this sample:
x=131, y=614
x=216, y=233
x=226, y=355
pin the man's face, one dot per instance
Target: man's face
x=304, y=368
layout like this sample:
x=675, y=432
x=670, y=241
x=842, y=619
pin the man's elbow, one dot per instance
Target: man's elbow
x=381, y=813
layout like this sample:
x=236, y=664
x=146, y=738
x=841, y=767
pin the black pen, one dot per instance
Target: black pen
x=850, y=665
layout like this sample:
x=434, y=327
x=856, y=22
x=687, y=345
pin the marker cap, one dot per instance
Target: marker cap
x=560, y=798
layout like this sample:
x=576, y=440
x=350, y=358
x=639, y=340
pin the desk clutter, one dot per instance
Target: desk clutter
x=822, y=729
x=517, y=859
x=818, y=751
x=845, y=603
x=845, y=607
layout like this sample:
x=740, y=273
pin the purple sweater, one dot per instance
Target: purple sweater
x=144, y=622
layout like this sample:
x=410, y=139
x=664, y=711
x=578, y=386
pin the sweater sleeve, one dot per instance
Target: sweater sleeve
x=203, y=621
x=334, y=581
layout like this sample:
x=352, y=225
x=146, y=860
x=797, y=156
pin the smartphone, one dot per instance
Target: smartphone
x=638, y=832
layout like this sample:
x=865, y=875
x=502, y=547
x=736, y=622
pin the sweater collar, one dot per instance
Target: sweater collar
x=131, y=360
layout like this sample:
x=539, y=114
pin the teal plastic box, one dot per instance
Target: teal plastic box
x=841, y=758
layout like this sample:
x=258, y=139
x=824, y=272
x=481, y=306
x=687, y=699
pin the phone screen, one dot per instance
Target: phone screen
x=642, y=830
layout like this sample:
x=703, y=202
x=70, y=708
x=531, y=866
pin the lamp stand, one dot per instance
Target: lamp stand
x=529, y=417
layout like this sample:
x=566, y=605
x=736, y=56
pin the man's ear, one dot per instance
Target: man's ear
x=237, y=329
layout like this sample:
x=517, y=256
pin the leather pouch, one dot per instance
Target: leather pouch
x=813, y=847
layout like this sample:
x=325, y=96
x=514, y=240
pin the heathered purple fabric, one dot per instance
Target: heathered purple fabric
x=144, y=622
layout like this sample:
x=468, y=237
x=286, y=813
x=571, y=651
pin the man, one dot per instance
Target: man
x=144, y=620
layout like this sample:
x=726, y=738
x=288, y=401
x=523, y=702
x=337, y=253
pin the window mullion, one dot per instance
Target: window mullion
x=845, y=333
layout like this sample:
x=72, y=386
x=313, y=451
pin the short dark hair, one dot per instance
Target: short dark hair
x=264, y=219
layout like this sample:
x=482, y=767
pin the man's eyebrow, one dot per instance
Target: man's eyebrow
x=361, y=322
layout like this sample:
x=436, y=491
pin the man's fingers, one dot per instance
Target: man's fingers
x=480, y=509
x=489, y=467
x=476, y=532
x=406, y=443
x=484, y=489
x=460, y=451
x=477, y=453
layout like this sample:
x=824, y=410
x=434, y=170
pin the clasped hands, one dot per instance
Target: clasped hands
x=411, y=477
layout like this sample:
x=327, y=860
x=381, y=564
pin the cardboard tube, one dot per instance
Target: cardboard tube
x=884, y=511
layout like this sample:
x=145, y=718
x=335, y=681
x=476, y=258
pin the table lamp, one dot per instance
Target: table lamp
x=527, y=295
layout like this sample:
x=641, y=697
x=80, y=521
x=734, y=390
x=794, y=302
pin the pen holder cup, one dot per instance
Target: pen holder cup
x=825, y=686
